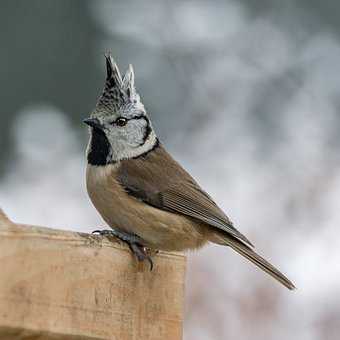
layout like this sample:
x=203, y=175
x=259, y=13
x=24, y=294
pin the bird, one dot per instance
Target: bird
x=143, y=194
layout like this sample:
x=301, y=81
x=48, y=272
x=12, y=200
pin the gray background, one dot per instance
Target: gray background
x=245, y=94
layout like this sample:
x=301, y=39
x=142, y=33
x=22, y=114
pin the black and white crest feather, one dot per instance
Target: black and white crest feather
x=118, y=91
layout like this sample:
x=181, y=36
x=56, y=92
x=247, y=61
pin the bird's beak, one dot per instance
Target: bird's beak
x=93, y=122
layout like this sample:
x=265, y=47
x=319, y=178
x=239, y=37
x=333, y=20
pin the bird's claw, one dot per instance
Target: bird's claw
x=132, y=240
x=141, y=253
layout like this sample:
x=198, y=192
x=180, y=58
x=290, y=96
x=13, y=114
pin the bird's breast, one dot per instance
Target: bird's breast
x=106, y=193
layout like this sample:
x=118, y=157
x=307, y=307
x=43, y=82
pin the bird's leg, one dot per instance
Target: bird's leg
x=134, y=242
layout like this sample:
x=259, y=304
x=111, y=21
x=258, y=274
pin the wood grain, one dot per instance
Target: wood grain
x=63, y=285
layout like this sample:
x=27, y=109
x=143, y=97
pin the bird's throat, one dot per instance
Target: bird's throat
x=99, y=148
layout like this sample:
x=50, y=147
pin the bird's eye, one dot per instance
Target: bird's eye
x=121, y=121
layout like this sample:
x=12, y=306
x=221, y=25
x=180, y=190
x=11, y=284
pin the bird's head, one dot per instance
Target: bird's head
x=119, y=126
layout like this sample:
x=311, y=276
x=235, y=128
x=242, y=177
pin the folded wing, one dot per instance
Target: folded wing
x=157, y=179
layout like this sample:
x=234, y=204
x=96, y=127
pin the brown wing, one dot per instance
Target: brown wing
x=160, y=181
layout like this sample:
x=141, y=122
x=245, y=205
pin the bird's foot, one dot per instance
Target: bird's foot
x=141, y=253
x=122, y=235
x=134, y=242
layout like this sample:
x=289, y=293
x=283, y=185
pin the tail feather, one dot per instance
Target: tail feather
x=258, y=260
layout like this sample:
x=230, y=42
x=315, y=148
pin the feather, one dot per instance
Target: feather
x=188, y=200
x=160, y=181
x=113, y=77
x=258, y=260
x=129, y=82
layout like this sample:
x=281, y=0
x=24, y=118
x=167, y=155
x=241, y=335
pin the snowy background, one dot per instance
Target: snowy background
x=245, y=94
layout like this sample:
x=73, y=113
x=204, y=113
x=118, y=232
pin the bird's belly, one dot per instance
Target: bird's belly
x=158, y=228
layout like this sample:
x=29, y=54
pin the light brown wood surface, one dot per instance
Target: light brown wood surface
x=64, y=285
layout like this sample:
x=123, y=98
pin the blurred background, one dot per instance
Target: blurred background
x=245, y=94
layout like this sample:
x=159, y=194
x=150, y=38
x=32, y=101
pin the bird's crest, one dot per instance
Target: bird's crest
x=118, y=91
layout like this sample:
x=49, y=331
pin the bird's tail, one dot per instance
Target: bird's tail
x=250, y=254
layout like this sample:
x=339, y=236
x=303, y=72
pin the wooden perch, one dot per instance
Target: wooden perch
x=64, y=285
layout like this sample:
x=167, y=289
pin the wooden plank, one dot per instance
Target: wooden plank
x=63, y=285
